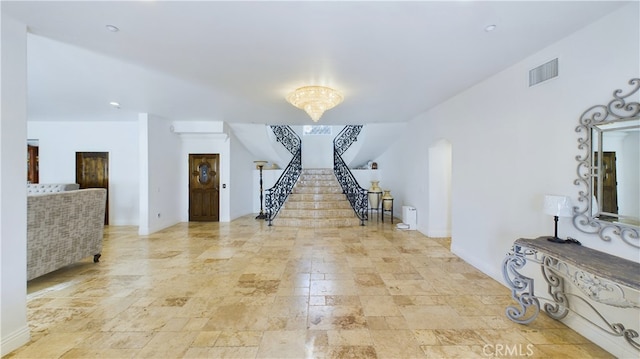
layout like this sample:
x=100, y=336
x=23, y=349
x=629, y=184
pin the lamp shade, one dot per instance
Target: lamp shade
x=557, y=205
x=260, y=164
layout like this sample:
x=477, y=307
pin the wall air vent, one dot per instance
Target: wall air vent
x=543, y=72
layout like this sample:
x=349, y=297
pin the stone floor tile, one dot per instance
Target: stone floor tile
x=247, y=290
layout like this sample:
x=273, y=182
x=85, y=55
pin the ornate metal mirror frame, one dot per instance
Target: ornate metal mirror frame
x=620, y=112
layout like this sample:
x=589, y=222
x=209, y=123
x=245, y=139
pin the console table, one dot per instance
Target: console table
x=598, y=277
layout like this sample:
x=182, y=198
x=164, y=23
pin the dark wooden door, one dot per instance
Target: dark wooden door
x=609, y=182
x=32, y=164
x=204, y=191
x=92, y=171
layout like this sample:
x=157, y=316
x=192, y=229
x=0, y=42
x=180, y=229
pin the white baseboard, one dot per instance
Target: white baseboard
x=438, y=233
x=155, y=227
x=479, y=265
x=15, y=340
x=616, y=346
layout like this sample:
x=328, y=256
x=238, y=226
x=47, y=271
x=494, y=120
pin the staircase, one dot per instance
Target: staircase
x=317, y=201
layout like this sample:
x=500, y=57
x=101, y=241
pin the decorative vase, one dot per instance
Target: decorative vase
x=387, y=200
x=374, y=194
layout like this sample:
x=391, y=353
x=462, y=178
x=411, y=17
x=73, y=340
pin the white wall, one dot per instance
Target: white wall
x=159, y=186
x=259, y=140
x=317, y=150
x=143, y=157
x=512, y=144
x=14, y=330
x=373, y=141
x=396, y=168
x=364, y=177
x=240, y=179
x=59, y=141
x=439, y=214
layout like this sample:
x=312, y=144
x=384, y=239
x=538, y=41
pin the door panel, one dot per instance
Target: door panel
x=92, y=171
x=204, y=192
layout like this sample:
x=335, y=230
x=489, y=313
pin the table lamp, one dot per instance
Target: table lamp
x=557, y=206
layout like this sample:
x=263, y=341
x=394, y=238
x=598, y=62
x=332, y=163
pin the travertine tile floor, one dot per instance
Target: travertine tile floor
x=246, y=290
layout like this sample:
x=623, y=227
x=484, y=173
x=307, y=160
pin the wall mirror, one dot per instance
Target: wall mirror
x=609, y=168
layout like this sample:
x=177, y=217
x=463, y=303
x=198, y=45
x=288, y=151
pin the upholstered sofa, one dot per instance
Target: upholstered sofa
x=63, y=228
x=41, y=188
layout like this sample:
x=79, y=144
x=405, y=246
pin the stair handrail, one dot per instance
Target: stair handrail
x=357, y=196
x=277, y=195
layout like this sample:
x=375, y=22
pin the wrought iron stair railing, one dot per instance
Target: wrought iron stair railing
x=277, y=195
x=356, y=195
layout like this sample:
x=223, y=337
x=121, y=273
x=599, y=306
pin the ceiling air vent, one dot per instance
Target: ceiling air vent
x=543, y=72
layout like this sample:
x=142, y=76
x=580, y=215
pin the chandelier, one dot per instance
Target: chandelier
x=315, y=100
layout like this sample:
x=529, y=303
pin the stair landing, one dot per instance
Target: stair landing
x=317, y=201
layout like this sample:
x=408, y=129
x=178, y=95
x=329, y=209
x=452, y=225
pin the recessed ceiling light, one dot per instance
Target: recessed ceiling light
x=490, y=28
x=112, y=28
x=114, y=104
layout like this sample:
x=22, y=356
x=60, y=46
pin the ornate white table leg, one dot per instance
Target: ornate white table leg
x=560, y=309
x=521, y=287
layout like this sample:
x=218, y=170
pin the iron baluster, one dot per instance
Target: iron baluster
x=356, y=195
x=277, y=195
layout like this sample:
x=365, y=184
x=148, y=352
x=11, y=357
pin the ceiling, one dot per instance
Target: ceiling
x=236, y=61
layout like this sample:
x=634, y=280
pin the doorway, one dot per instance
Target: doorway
x=33, y=173
x=204, y=191
x=92, y=171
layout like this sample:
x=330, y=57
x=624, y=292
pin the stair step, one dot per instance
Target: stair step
x=317, y=171
x=317, y=201
x=317, y=205
x=329, y=177
x=317, y=190
x=317, y=183
x=317, y=223
x=316, y=197
x=317, y=213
